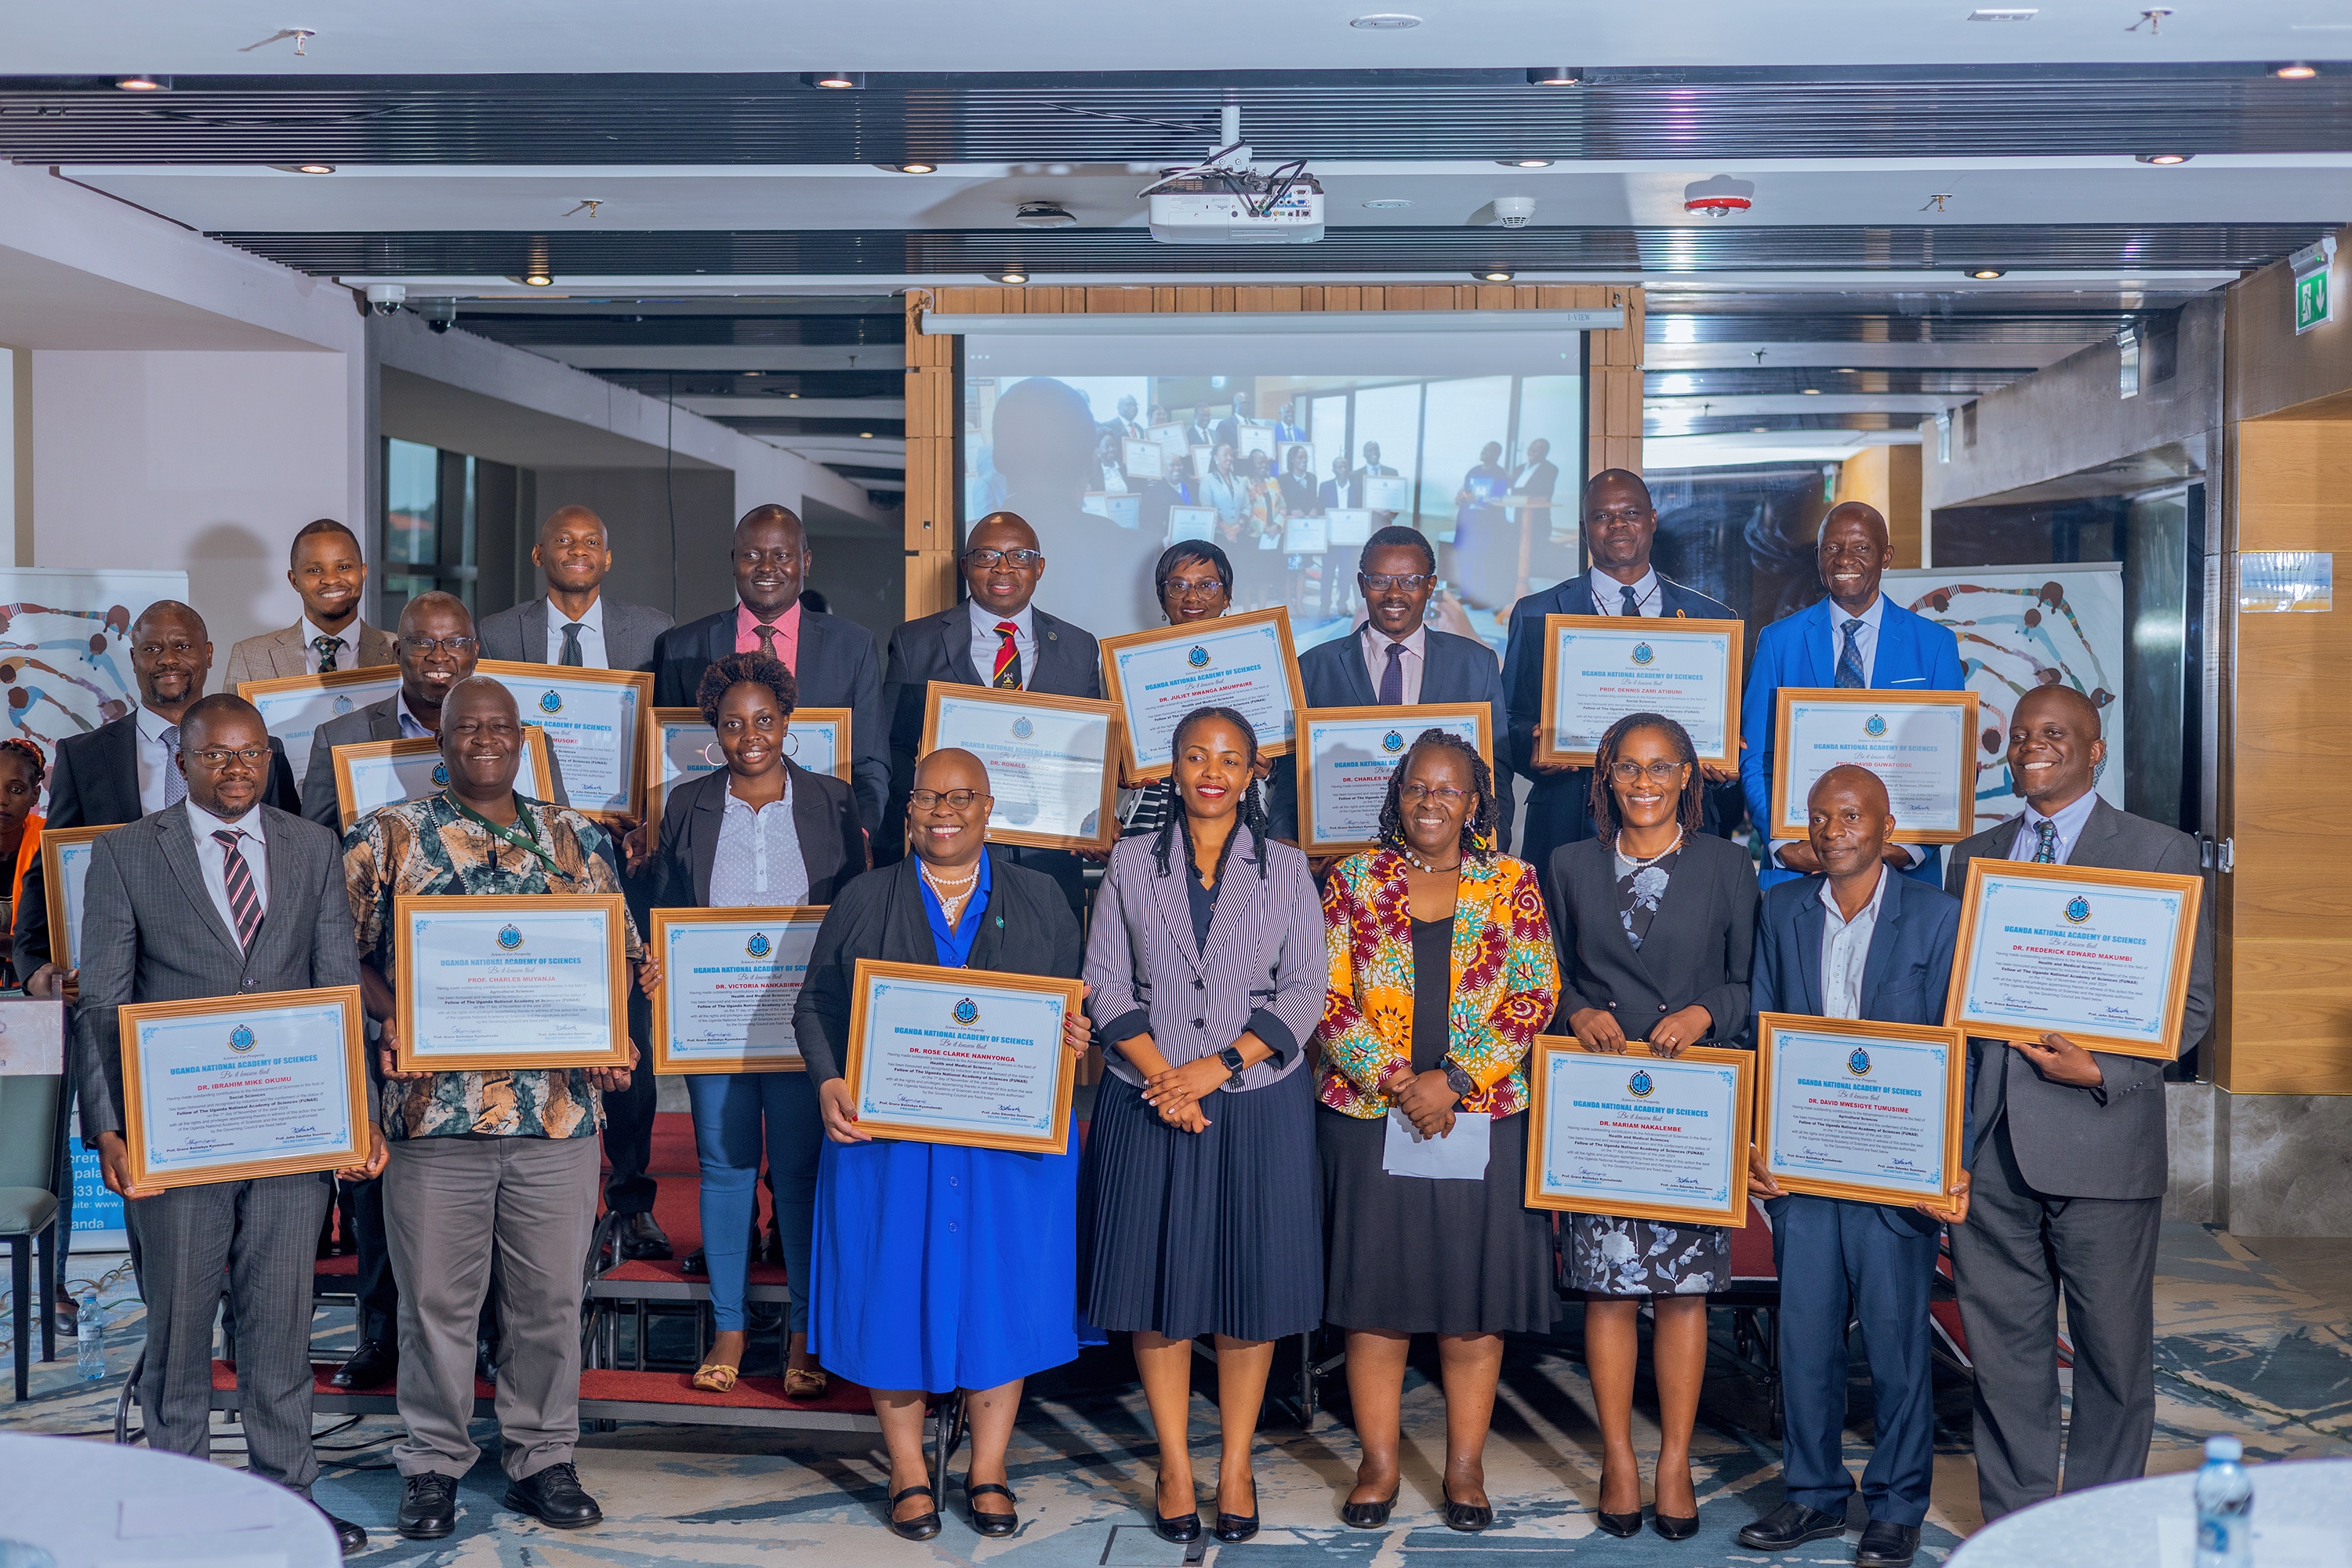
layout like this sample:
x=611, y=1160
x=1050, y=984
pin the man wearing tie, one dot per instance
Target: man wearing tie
x=1853, y=942
x=2067, y=1152
x=1620, y=525
x=832, y=660
x=998, y=638
x=577, y=624
x=1126, y=424
x=327, y=572
x=1395, y=660
x=217, y=895
x=1854, y=638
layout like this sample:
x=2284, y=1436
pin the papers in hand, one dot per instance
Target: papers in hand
x=1459, y=1156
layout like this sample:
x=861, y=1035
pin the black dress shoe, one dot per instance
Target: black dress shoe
x=486, y=1362
x=697, y=1265
x=428, y=1507
x=641, y=1238
x=349, y=1536
x=1367, y=1515
x=1792, y=1524
x=552, y=1496
x=372, y=1365
x=1885, y=1545
x=1673, y=1529
x=1467, y=1516
x=1620, y=1525
x=1234, y=1528
x=1182, y=1528
x=1006, y=1523
x=922, y=1526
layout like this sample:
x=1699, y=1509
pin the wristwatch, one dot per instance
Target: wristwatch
x=1231, y=1057
x=1463, y=1085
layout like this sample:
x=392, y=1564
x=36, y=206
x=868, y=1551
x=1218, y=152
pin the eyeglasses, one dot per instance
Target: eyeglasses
x=1659, y=773
x=957, y=799
x=1382, y=584
x=1194, y=587
x=252, y=756
x=989, y=560
x=1443, y=794
x=423, y=647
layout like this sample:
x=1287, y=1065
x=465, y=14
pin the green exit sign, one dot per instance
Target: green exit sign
x=2314, y=303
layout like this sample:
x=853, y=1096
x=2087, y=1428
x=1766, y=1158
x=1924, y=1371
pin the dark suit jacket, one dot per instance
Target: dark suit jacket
x=1905, y=976
x=2108, y=1142
x=824, y=818
x=1456, y=669
x=94, y=783
x=1327, y=495
x=837, y=667
x=150, y=933
x=376, y=721
x=1027, y=929
x=520, y=634
x=1701, y=941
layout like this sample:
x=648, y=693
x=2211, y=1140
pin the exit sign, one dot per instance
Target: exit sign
x=2315, y=304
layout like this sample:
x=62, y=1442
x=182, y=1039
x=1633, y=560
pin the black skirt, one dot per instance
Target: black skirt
x=1183, y=1234
x=1415, y=1255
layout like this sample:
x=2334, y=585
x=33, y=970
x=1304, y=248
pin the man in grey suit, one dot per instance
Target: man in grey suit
x=576, y=623
x=2067, y=1159
x=217, y=895
x=327, y=572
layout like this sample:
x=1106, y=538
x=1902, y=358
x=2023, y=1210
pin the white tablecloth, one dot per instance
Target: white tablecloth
x=90, y=1504
x=2303, y=1518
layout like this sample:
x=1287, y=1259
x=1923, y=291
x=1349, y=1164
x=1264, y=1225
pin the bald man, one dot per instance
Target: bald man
x=1855, y=638
x=575, y=622
x=1853, y=940
x=2067, y=1151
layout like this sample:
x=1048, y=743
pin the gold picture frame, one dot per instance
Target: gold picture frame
x=1406, y=722
x=407, y=907
x=1741, y=1063
x=1650, y=628
x=1106, y=824
x=650, y=762
x=662, y=921
x=1788, y=697
x=1279, y=617
x=1862, y=1032
x=350, y=752
x=511, y=673
x=870, y=970
x=55, y=842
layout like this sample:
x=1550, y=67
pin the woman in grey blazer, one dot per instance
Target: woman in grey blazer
x=1197, y=1209
x=1657, y=927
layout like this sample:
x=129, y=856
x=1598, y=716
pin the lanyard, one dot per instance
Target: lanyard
x=528, y=844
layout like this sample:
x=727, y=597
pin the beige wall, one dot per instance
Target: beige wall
x=1888, y=478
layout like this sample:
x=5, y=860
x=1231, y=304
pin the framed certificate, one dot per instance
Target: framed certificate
x=2099, y=956
x=679, y=746
x=730, y=978
x=1850, y=1109
x=594, y=719
x=1123, y=508
x=493, y=983
x=371, y=774
x=294, y=706
x=1305, y=535
x=1050, y=761
x=235, y=1087
x=1347, y=525
x=1204, y=460
x=1190, y=522
x=1642, y=1136
x=1253, y=436
x=1170, y=438
x=1388, y=492
x=1143, y=459
x=1345, y=758
x=1921, y=745
x=1598, y=668
x=1244, y=662
x=962, y=1055
x=65, y=868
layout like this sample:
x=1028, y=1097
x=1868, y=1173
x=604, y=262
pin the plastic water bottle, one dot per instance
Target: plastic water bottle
x=90, y=1344
x=2225, y=1507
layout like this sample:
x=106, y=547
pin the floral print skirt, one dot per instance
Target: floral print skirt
x=1615, y=1256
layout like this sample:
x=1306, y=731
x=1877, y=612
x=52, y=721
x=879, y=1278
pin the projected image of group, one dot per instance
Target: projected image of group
x=1289, y=475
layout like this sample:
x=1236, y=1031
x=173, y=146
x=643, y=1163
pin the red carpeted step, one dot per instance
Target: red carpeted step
x=322, y=1381
x=749, y=1392
x=346, y=1267
x=1751, y=1248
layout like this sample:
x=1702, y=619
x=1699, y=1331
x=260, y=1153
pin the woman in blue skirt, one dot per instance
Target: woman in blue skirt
x=938, y=1268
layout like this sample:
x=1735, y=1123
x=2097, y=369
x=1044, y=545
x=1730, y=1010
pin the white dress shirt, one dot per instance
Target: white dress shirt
x=1377, y=644
x=1845, y=950
x=592, y=635
x=213, y=856
x=1608, y=594
x=985, y=642
x=410, y=727
x=2067, y=819
x=155, y=764
x=347, y=648
x=759, y=859
x=1866, y=642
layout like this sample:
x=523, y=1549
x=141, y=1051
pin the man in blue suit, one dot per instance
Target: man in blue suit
x=1620, y=525
x=1856, y=638
x=1397, y=572
x=1853, y=942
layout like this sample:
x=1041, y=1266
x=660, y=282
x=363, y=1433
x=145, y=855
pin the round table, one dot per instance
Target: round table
x=68, y=1497
x=2300, y=1510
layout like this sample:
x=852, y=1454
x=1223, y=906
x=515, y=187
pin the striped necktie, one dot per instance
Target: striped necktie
x=1008, y=657
x=2046, y=843
x=244, y=897
x=1849, y=669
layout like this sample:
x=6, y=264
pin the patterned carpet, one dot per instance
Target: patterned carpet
x=2241, y=1350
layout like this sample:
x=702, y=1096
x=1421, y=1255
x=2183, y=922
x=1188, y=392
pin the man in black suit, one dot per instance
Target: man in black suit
x=833, y=660
x=1124, y=424
x=996, y=637
x=1373, y=469
x=1343, y=489
x=1229, y=428
x=575, y=622
x=1620, y=523
x=1395, y=659
x=2068, y=1154
x=1532, y=487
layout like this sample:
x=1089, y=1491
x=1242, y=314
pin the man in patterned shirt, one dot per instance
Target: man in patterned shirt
x=486, y=1167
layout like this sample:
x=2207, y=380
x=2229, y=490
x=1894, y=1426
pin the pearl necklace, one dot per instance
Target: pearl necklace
x=951, y=902
x=1640, y=864
x=1418, y=864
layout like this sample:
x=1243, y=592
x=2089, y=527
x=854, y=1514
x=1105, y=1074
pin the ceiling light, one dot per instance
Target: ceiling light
x=143, y=83
x=918, y=168
x=2295, y=71
x=2166, y=160
x=1811, y=391
x=838, y=81
x=2004, y=14
x=314, y=168
x=1013, y=277
x=865, y=435
x=1987, y=274
x=1525, y=162
x=1553, y=76
x=1385, y=22
x=537, y=279
x=1387, y=204
x=1495, y=276
x=1759, y=429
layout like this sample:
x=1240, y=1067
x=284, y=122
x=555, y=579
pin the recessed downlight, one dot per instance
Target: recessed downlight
x=1554, y=76
x=314, y=168
x=1811, y=391
x=1013, y=277
x=1525, y=162
x=1385, y=22
x=1987, y=274
x=2166, y=160
x=143, y=83
x=537, y=279
x=1496, y=275
x=2295, y=70
x=918, y=168
x=865, y=435
x=840, y=81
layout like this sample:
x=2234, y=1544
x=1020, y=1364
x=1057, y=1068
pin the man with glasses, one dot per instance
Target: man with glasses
x=1396, y=660
x=1621, y=523
x=995, y=638
x=832, y=660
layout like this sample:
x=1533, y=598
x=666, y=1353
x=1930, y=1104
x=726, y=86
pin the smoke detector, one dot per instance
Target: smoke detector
x=1044, y=214
x=1719, y=197
x=1513, y=212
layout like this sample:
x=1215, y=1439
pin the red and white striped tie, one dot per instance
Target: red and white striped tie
x=244, y=897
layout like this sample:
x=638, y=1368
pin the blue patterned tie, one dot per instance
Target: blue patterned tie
x=2045, y=845
x=1392, y=678
x=1849, y=670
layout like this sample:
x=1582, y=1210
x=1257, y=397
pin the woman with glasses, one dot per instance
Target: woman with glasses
x=1197, y=1211
x=939, y=1268
x=1657, y=924
x=1441, y=971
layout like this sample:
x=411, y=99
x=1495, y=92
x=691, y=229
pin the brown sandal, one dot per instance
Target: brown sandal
x=715, y=1377
x=805, y=1382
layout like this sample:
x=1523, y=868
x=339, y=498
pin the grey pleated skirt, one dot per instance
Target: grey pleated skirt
x=1218, y=1231
x=1415, y=1255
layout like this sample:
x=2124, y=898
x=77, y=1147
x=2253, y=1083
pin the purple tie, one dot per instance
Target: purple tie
x=1392, y=678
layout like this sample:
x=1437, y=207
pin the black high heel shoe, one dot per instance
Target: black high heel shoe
x=1182, y=1530
x=1671, y=1528
x=922, y=1526
x=1367, y=1515
x=1233, y=1528
x=1006, y=1523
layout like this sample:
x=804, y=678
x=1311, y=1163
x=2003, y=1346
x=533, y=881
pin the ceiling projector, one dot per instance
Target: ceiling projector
x=1222, y=200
